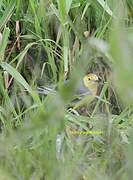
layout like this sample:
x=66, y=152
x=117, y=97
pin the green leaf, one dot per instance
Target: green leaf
x=4, y=42
x=7, y=14
x=11, y=70
x=68, y=5
x=105, y=7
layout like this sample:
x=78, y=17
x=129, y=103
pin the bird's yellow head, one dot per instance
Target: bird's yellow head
x=91, y=82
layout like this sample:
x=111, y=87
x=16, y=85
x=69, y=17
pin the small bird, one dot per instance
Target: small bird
x=88, y=86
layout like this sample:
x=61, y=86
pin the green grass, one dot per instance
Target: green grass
x=43, y=44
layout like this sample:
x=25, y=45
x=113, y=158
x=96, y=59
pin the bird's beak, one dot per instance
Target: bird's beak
x=96, y=81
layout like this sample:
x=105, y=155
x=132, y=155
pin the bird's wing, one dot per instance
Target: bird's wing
x=82, y=90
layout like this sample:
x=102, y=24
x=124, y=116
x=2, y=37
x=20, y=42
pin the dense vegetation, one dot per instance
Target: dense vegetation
x=44, y=43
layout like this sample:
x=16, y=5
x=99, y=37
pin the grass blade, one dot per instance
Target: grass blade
x=7, y=14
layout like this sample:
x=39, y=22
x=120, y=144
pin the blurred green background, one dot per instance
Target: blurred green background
x=43, y=44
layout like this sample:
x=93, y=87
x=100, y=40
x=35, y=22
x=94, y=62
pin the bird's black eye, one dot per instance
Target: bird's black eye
x=89, y=78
